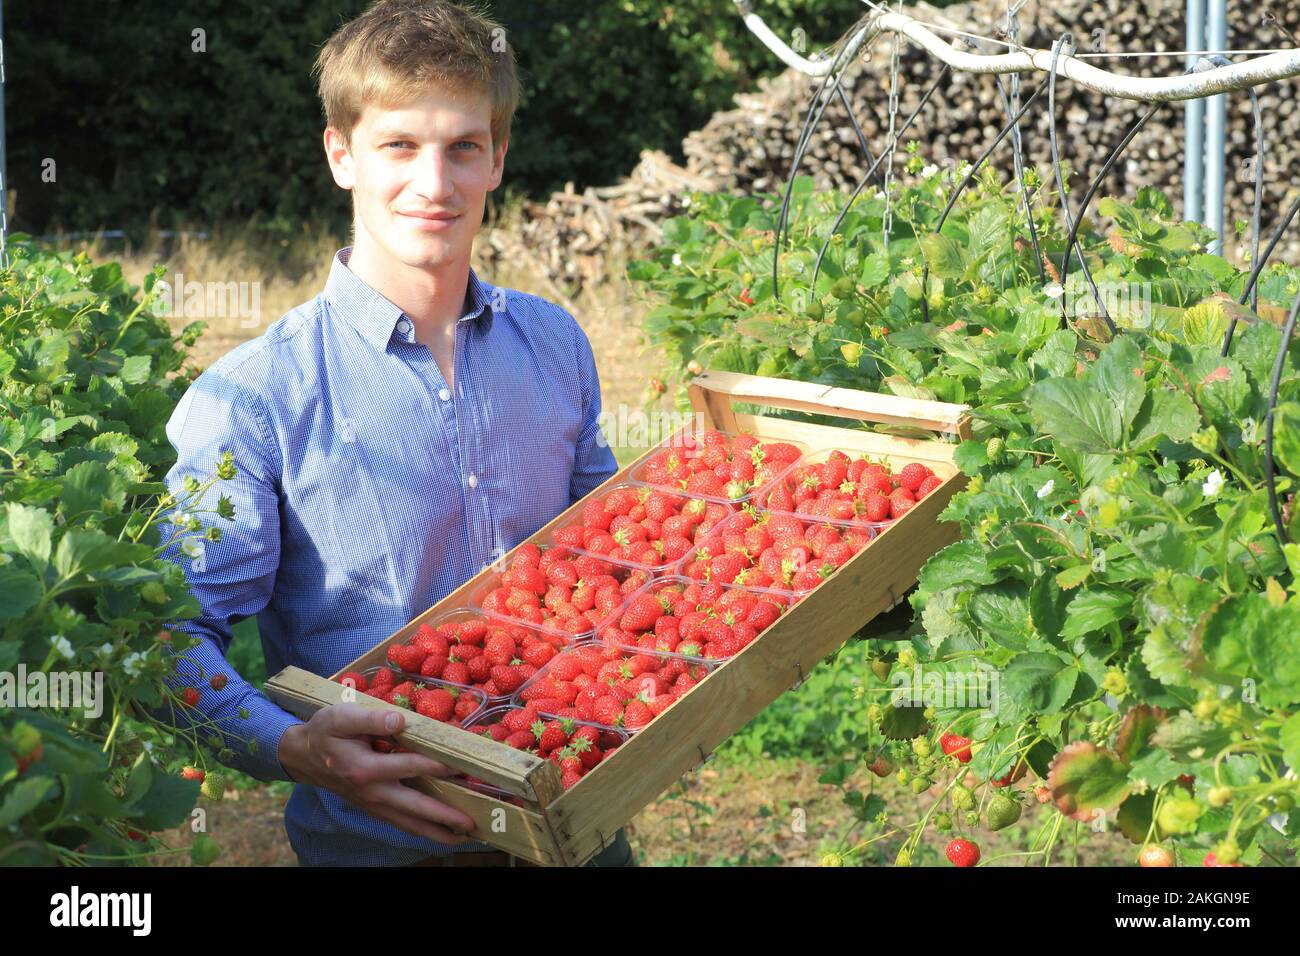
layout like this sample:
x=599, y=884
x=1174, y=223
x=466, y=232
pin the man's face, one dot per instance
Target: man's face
x=410, y=168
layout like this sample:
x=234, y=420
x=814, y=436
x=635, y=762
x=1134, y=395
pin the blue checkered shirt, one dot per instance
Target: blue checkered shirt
x=367, y=490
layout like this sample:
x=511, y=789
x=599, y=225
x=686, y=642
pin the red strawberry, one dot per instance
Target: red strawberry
x=637, y=715
x=521, y=740
x=912, y=474
x=436, y=702
x=963, y=853
x=927, y=486
x=953, y=745
x=358, y=680
x=641, y=614
x=190, y=696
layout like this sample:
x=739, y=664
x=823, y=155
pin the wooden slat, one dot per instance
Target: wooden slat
x=639, y=771
x=936, y=454
x=714, y=406
x=518, y=830
x=302, y=693
x=831, y=400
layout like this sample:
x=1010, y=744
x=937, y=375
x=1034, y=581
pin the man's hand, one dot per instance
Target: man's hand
x=332, y=750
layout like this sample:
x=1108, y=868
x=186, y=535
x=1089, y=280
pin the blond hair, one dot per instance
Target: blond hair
x=397, y=50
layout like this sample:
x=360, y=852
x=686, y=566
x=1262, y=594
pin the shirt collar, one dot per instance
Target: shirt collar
x=378, y=320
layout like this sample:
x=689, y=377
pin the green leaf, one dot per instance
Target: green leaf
x=87, y=486
x=19, y=590
x=1188, y=738
x=960, y=564
x=970, y=457
x=167, y=802
x=1286, y=436
x=1034, y=683
x=25, y=797
x=1289, y=738
x=943, y=256
x=1247, y=637
x=81, y=550
x=1072, y=577
x=1165, y=415
x=1085, y=778
x=1093, y=610
x=31, y=528
x=875, y=270
x=1071, y=412
x=1154, y=769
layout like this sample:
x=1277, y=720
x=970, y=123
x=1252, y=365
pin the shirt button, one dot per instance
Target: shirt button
x=444, y=394
x=473, y=481
x=404, y=326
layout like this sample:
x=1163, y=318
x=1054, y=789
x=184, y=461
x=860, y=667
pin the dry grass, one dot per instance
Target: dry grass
x=288, y=274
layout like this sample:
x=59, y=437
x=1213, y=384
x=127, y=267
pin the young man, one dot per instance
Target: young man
x=402, y=430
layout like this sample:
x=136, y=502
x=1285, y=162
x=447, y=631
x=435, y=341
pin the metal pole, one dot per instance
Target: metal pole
x=1216, y=116
x=1194, y=124
x=4, y=158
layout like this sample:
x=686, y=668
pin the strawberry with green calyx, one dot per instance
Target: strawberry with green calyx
x=213, y=786
x=1002, y=812
x=957, y=746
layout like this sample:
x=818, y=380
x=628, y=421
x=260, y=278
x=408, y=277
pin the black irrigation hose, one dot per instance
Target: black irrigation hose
x=805, y=136
x=961, y=187
x=1270, y=477
x=1092, y=192
x=1252, y=287
x=1017, y=153
x=1060, y=44
x=1260, y=262
x=821, y=253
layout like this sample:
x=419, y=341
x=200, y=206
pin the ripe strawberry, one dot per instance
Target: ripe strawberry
x=358, y=680
x=218, y=682
x=192, y=773
x=436, y=702
x=963, y=852
x=636, y=715
x=550, y=736
x=521, y=740
x=641, y=614
x=955, y=746
x=912, y=474
x=190, y=696
x=927, y=486
x=1152, y=855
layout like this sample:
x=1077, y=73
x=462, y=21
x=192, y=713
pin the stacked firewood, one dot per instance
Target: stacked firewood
x=751, y=147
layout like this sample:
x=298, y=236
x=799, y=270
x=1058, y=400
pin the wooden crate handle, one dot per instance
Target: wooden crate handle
x=713, y=392
x=302, y=693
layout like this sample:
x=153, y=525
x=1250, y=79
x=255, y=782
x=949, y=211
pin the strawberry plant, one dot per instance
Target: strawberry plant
x=90, y=376
x=1119, y=572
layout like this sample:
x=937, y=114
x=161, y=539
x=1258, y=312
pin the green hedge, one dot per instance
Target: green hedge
x=138, y=124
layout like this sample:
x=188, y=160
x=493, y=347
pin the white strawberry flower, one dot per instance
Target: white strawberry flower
x=1053, y=290
x=133, y=664
x=1213, y=484
x=677, y=258
x=63, y=646
x=1046, y=490
x=929, y=171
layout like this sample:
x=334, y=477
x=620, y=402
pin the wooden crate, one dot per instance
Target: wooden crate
x=556, y=827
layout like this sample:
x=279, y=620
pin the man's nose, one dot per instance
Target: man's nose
x=432, y=175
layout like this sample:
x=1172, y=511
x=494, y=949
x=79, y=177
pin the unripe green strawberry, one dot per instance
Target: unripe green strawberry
x=972, y=819
x=921, y=746
x=920, y=784
x=1227, y=852
x=1219, y=796
x=1178, y=814
x=874, y=713
x=880, y=668
x=832, y=859
x=943, y=822
x=1283, y=803
x=204, y=850
x=993, y=449
x=1002, y=812
x=962, y=799
x=213, y=786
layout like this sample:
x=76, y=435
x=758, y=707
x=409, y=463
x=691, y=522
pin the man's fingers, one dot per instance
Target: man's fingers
x=417, y=804
x=403, y=766
x=356, y=720
x=422, y=828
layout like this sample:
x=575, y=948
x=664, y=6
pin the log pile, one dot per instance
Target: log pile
x=750, y=148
